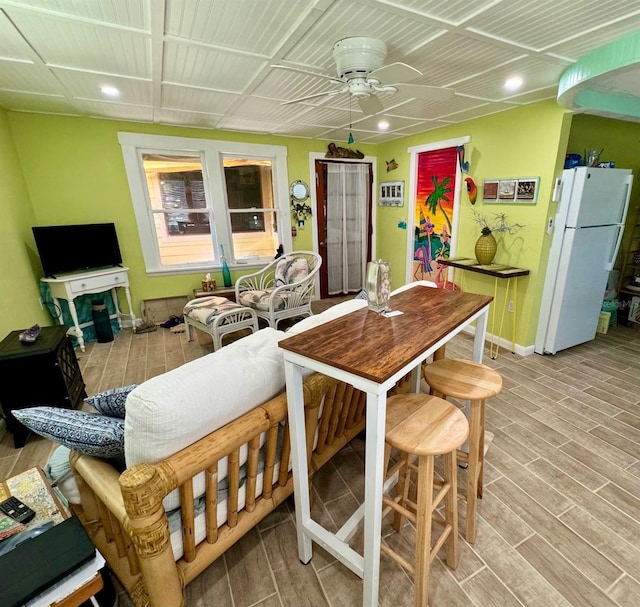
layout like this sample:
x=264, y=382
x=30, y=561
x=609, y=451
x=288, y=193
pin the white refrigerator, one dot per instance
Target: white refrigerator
x=586, y=236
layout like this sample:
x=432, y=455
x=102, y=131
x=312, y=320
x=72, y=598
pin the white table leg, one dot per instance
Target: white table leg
x=76, y=324
x=114, y=297
x=295, y=409
x=416, y=376
x=127, y=294
x=480, y=335
x=374, y=478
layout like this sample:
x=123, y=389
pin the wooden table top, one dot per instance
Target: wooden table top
x=376, y=347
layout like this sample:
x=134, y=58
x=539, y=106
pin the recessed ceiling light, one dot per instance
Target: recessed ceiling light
x=110, y=91
x=383, y=125
x=513, y=83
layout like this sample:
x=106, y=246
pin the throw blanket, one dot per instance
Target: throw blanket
x=205, y=309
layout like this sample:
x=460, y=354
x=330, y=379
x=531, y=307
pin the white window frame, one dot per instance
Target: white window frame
x=211, y=151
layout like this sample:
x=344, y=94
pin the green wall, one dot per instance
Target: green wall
x=621, y=143
x=19, y=306
x=529, y=141
x=75, y=173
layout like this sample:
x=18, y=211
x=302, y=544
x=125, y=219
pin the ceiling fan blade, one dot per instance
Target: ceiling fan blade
x=395, y=73
x=315, y=96
x=308, y=72
x=423, y=91
x=370, y=105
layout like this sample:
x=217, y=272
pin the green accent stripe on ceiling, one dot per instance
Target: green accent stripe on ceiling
x=604, y=79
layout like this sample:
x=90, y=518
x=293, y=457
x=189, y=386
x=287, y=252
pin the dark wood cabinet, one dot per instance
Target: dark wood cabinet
x=43, y=373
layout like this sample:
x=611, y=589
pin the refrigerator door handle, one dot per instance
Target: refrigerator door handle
x=614, y=252
x=627, y=197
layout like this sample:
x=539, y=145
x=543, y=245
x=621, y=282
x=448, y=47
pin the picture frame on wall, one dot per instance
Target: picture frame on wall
x=490, y=190
x=520, y=190
x=507, y=190
x=391, y=194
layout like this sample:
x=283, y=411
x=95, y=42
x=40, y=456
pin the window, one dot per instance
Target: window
x=194, y=198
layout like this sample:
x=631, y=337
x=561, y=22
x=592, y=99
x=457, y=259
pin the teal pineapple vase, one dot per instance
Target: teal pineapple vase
x=226, y=274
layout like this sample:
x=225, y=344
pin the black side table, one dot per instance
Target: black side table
x=43, y=373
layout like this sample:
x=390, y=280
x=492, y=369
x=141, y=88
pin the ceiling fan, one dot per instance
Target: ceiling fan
x=362, y=74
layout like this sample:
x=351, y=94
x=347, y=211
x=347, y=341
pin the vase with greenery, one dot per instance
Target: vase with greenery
x=486, y=245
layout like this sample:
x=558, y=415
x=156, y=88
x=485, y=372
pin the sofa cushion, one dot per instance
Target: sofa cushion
x=111, y=402
x=171, y=411
x=290, y=270
x=261, y=300
x=205, y=309
x=88, y=433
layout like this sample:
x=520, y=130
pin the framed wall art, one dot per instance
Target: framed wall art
x=520, y=190
x=391, y=194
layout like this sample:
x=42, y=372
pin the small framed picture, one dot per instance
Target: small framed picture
x=391, y=194
x=527, y=190
x=507, y=189
x=490, y=190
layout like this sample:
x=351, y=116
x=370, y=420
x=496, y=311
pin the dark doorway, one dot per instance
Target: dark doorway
x=343, y=195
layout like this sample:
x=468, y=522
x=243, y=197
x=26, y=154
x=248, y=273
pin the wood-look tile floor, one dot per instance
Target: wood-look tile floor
x=559, y=524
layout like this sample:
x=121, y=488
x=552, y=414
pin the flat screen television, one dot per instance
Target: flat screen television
x=65, y=249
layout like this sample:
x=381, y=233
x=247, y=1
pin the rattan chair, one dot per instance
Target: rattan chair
x=282, y=289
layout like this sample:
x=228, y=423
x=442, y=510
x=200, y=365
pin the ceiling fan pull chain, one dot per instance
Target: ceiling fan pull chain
x=350, y=139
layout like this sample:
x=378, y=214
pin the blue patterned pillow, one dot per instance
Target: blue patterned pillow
x=88, y=433
x=111, y=402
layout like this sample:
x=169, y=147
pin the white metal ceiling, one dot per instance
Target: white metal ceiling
x=207, y=62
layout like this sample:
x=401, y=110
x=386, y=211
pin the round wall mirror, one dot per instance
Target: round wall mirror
x=299, y=190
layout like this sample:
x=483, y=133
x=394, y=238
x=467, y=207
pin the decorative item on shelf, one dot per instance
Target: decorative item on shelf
x=486, y=245
x=29, y=336
x=209, y=285
x=378, y=285
x=226, y=275
x=592, y=157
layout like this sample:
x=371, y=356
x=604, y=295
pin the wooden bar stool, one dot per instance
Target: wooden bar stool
x=474, y=382
x=424, y=426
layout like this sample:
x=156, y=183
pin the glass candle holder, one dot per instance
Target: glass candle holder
x=378, y=285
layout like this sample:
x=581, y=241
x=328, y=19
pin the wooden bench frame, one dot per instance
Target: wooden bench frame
x=127, y=522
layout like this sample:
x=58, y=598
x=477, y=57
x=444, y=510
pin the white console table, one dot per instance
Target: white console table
x=70, y=286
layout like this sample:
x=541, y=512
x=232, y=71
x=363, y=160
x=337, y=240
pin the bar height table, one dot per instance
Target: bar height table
x=371, y=352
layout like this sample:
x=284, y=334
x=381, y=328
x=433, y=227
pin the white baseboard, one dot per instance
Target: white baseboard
x=503, y=343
